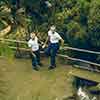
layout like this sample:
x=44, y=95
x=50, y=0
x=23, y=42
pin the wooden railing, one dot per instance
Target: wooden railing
x=61, y=55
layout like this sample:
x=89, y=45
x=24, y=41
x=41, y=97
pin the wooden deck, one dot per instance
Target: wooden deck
x=85, y=74
x=21, y=82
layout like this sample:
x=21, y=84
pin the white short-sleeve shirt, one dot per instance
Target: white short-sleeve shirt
x=54, y=37
x=33, y=44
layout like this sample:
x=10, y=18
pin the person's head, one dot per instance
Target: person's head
x=33, y=35
x=53, y=28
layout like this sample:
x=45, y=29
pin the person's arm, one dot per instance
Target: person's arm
x=47, y=39
x=39, y=41
x=45, y=43
x=30, y=48
x=62, y=42
x=32, y=52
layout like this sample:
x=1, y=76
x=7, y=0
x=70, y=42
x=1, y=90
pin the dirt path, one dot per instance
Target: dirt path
x=23, y=83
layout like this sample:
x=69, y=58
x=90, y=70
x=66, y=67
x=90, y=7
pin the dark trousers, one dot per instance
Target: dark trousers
x=36, y=58
x=52, y=52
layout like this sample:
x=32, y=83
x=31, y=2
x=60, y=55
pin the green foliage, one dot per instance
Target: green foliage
x=5, y=50
x=94, y=24
x=1, y=25
x=78, y=20
x=76, y=35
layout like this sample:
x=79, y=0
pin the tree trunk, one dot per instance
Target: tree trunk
x=5, y=31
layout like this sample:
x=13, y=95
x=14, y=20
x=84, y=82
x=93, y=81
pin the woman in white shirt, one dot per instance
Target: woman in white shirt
x=53, y=47
x=34, y=48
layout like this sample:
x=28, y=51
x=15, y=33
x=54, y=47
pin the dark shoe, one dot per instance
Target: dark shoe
x=51, y=67
x=40, y=64
x=35, y=68
x=55, y=66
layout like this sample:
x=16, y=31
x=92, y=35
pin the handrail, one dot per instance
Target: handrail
x=10, y=40
x=65, y=56
x=80, y=60
x=64, y=48
x=81, y=50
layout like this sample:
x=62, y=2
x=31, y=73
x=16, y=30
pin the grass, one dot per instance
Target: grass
x=23, y=83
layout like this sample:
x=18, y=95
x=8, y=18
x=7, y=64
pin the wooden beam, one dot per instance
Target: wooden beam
x=81, y=50
x=64, y=48
x=65, y=56
x=79, y=60
x=85, y=74
x=16, y=41
x=5, y=31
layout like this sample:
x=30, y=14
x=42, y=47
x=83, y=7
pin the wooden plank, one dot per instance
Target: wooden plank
x=15, y=48
x=64, y=48
x=79, y=60
x=85, y=74
x=60, y=55
x=81, y=50
x=10, y=40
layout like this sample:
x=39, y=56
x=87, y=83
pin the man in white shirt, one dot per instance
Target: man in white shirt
x=53, y=47
x=34, y=48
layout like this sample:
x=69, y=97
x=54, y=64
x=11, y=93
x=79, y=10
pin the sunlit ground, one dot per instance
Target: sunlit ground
x=20, y=82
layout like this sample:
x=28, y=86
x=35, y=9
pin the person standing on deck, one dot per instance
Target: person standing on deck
x=34, y=49
x=53, y=47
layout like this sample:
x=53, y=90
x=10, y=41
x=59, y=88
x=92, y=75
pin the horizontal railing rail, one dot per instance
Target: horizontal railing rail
x=61, y=55
x=64, y=48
